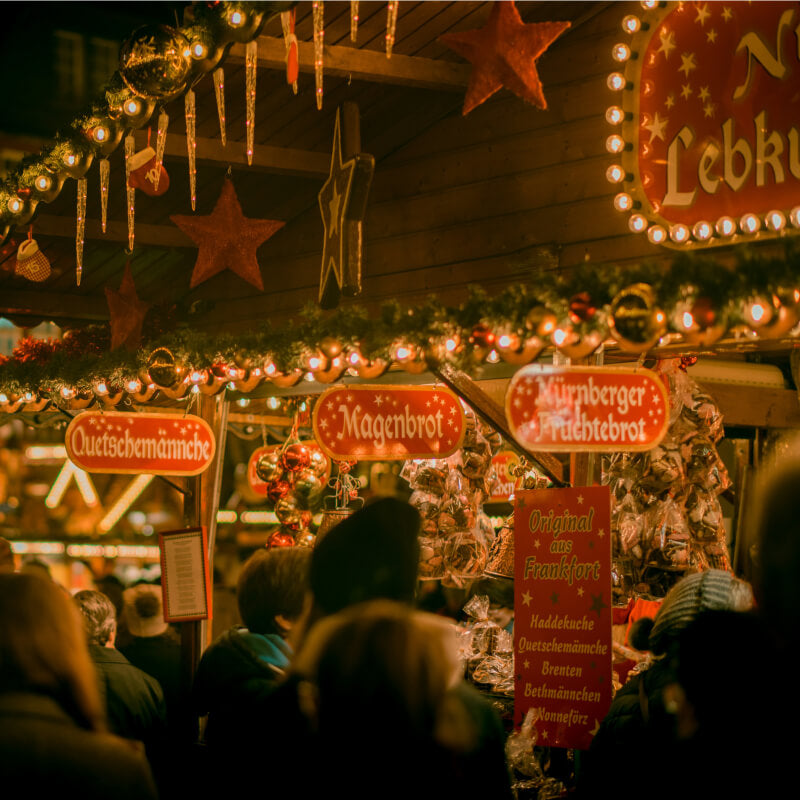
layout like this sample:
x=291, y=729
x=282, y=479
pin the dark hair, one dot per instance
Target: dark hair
x=272, y=582
x=99, y=616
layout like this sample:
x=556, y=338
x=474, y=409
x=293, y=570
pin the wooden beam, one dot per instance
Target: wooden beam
x=50, y=305
x=755, y=406
x=365, y=65
x=157, y=235
x=266, y=158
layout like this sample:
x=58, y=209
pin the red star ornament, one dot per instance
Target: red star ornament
x=503, y=53
x=126, y=312
x=227, y=239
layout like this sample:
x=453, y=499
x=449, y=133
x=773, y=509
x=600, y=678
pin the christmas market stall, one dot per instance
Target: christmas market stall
x=532, y=267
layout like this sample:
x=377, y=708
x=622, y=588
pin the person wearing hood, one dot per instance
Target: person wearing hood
x=244, y=665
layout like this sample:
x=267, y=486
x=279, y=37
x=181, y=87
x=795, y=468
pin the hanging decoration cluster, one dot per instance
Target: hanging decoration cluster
x=691, y=304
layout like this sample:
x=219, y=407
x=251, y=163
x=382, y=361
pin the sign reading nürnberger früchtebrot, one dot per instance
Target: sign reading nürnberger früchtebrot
x=586, y=408
x=388, y=422
x=155, y=444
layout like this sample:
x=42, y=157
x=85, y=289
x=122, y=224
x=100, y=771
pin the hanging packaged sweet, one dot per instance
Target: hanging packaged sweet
x=32, y=264
x=146, y=174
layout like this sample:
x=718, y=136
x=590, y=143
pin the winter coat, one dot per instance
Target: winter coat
x=45, y=753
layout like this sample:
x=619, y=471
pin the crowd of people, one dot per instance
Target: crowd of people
x=338, y=683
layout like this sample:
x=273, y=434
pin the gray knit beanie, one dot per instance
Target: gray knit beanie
x=711, y=590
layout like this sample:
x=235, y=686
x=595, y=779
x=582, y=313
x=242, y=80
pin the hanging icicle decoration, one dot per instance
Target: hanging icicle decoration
x=353, y=20
x=219, y=90
x=161, y=142
x=80, y=229
x=130, y=192
x=191, y=144
x=391, y=25
x=290, y=42
x=105, y=172
x=319, y=35
x=250, y=70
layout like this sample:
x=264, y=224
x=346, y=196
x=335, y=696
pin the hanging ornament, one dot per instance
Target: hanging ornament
x=769, y=316
x=288, y=19
x=308, y=487
x=80, y=229
x=145, y=174
x=319, y=37
x=574, y=344
x=32, y=264
x=219, y=91
x=289, y=513
x=280, y=538
x=581, y=307
x=268, y=466
x=319, y=463
x=191, y=143
x=295, y=457
x=250, y=71
x=127, y=313
x=353, y=20
x=482, y=336
x=635, y=320
x=155, y=62
x=105, y=172
x=161, y=142
x=541, y=321
x=278, y=489
x=164, y=371
x=698, y=321
x=130, y=192
x=391, y=25
x=503, y=53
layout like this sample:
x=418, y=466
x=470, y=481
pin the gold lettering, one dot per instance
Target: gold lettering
x=758, y=49
x=673, y=197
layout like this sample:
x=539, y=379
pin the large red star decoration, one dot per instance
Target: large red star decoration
x=227, y=239
x=127, y=313
x=503, y=53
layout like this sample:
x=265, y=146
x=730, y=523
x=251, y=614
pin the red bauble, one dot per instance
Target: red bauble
x=482, y=336
x=581, y=308
x=276, y=490
x=703, y=312
x=295, y=457
x=280, y=538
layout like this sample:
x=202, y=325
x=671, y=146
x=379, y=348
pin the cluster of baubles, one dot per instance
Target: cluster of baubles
x=157, y=64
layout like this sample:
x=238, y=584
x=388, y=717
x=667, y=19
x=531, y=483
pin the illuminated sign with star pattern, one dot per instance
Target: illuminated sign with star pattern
x=704, y=121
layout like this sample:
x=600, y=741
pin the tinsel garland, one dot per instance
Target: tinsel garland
x=83, y=358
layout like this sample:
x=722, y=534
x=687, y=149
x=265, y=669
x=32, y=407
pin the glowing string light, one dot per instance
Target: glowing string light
x=124, y=502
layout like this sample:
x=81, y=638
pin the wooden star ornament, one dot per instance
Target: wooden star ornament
x=227, y=239
x=127, y=313
x=503, y=53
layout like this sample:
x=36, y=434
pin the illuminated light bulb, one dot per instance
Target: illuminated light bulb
x=620, y=52
x=195, y=389
x=100, y=133
x=315, y=362
x=101, y=388
x=493, y=357
x=615, y=143
x=649, y=5
x=615, y=174
x=614, y=115
x=504, y=341
x=631, y=24
x=67, y=393
x=354, y=358
x=270, y=369
x=199, y=50
x=309, y=376
x=14, y=205
x=257, y=372
x=243, y=402
x=450, y=345
x=687, y=320
x=775, y=221
x=231, y=386
x=402, y=352
x=749, y=223
x=679, y=233
x=43, y=183
x=702, y=231
x=3, y=398
x=273, y=402
x=726, y=226
x=303, y=405
x=616, y=82
x=133, y=107
x=28, y=396
x=623, y=202
x=196, y=377
x=559, y=336
x=661, y=317
x=757, y=312
x=70, y=159
x=656, y=234
x=134, y=386
x=235, y=19
x=794, y=216
x=637, y=223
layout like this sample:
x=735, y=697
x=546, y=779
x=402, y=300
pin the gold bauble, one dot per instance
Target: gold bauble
x=635, y=320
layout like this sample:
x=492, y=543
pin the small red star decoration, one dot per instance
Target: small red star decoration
x=227, y=239
x=127, y=313
x=503, y=53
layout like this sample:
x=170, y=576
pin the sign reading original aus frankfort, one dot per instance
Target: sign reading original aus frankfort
x=708, y=135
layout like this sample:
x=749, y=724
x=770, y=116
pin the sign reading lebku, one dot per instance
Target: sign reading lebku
x=555, y=408
x=384, y=423
x=562, y=612
x=154, y=444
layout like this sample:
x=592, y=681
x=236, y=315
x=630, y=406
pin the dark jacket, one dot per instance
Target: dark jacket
x=45, y=753
x=235, y=675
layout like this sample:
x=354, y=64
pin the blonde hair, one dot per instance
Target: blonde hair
x=43, y=647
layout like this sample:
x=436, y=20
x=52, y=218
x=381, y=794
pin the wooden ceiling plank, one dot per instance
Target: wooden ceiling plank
x=52, y=305
x=159, y=235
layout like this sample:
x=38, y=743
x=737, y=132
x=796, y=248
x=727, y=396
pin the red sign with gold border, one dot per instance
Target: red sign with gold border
x=708, y=96
x=562, y=611
x=592, y=409
x=384, y=423
x=154, y=444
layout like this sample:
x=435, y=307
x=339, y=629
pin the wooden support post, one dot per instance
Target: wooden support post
x=491, y=412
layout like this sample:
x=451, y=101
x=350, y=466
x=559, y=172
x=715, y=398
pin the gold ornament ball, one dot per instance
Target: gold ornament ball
x=162, y=368
x=635, y=321
x=154, y=62
x=331, y=347
x=268, y=466
x=541, y=321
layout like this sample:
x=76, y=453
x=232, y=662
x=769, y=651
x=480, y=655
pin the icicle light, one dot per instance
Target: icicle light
x=161, y=143
x=191, y=144
x=391, y=25
x=105, y=171
x=80, y=229
x=251, y=69
x=130, y=192
x=353, y=20
x=219, y=90
x=319, y=36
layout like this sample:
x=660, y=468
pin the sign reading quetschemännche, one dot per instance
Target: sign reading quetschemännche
x=586, y=408
x=562, y=611
x=154, y=444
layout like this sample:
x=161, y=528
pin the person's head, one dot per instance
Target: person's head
x=35, y=566
x=272, y=587
x=43, y=647
x=99, y=617
x=143, y=610
x=6, y=556
x=112, y=587
x=379, y=655
x=711, y=590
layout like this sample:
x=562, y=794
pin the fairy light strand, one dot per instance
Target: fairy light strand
x=251, y=69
